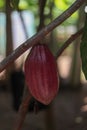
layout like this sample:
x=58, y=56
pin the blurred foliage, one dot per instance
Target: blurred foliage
x=62, y=5
x=28, y=4
x=52, y=10
x=15, y=3
x=58, y=6
x=2, y=3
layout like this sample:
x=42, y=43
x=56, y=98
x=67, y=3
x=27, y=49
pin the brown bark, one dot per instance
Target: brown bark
x=9, y=42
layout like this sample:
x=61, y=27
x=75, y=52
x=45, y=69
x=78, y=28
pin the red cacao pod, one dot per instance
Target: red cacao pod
x=41, y=74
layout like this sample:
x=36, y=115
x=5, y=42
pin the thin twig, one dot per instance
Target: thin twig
x=68, y=42
x=40, y=35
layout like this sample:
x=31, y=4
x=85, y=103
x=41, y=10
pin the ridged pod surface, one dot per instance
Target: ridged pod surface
x=41, y=74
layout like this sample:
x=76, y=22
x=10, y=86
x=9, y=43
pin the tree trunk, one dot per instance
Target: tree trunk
x=9, y=42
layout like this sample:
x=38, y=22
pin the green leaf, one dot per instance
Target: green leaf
x=23, y=4
x=2, y=3
x=63, y=4
x=83, y=49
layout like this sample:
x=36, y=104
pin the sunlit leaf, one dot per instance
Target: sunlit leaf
x=28, y=4
x=2, y=3
x=63, y=4
x=23, y=4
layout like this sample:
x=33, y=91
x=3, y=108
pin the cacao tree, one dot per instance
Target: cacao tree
x=44, y=57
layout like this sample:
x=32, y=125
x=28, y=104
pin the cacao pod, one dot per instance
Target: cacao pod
x=41, y=74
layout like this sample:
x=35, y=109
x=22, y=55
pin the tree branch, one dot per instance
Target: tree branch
x=22, y=110
x=68, y=42
x=36, y=38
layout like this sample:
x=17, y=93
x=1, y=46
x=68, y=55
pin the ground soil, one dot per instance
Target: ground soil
x=67, y=112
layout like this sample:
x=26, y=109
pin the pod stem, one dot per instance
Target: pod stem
x=22, y=110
